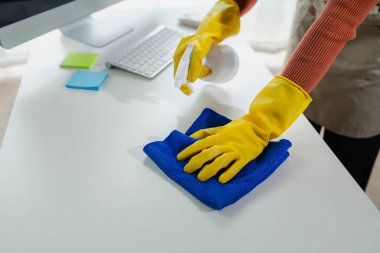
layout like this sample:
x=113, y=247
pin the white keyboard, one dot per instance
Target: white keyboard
x=150, y=55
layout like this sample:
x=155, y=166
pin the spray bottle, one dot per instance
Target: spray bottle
x=221, y=59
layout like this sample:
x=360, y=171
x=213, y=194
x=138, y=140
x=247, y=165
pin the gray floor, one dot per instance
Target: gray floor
x=9, y=83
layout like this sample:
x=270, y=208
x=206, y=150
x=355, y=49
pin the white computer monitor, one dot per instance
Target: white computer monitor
x=23, y=20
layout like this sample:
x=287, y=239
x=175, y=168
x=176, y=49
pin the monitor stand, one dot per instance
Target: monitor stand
x=97, y=32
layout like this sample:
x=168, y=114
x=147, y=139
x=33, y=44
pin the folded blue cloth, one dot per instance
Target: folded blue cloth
x=211, y=192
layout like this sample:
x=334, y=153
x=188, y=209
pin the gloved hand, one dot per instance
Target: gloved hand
x=232, y=146
x=221, y=22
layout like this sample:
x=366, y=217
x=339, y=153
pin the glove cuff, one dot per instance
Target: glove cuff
x=277, y=106
x=290, y=82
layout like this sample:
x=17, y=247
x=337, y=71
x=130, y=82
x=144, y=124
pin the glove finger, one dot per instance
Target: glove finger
x=201, y=48
x=205, y=71
x=231, y=171
x=197, y=161
x=213, y=168
x=196, y=147
x=177, y=57
x=201, y=134
x=195, y=67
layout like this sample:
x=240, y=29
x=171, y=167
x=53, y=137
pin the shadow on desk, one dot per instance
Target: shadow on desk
x=127, y=88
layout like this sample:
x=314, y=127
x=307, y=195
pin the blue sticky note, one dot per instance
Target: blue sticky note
x=87, y=80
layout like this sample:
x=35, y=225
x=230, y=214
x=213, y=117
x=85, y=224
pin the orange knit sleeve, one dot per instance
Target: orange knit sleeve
x=324, y=40
x=245, y=5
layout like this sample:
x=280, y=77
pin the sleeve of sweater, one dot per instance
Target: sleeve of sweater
x=324, y=40
x=245, y=5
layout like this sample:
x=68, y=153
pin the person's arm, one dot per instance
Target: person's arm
x=324, y=40
x=221, y=22
x=281, y=101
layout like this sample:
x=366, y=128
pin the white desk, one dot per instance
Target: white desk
x=74, y=178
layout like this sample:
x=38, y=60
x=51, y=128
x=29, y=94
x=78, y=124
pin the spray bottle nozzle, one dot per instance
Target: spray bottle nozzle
x=180, y=78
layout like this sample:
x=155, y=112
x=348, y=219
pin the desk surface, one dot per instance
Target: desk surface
x=74, y=178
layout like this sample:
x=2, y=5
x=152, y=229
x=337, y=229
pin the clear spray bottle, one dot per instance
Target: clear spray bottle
x=221, y=59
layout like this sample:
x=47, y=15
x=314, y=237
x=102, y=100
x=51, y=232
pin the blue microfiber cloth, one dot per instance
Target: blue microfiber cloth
x=211, y=192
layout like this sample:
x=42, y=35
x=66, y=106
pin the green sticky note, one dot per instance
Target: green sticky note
x=79, y=60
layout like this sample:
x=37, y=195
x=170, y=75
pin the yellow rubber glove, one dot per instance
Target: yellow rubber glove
x=237, y=143
x=221, y=22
